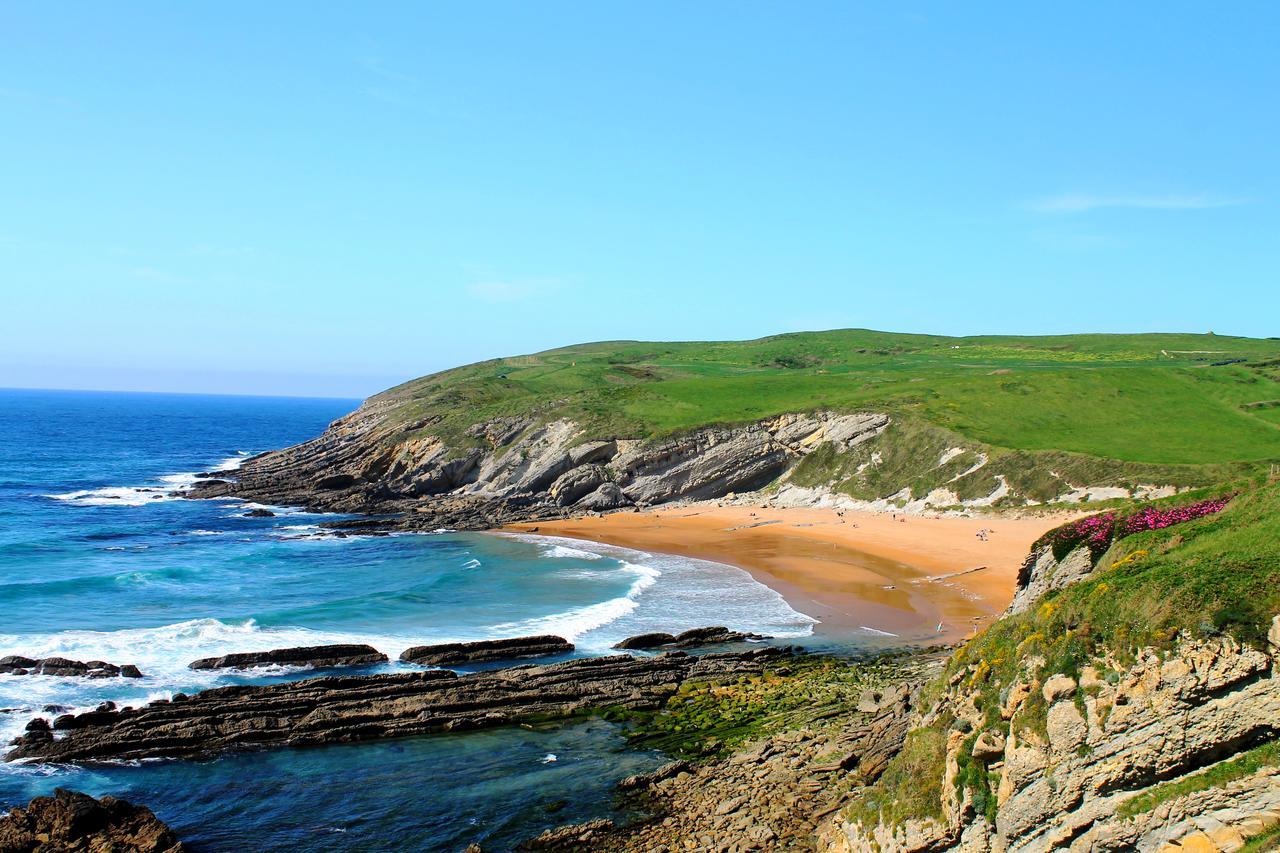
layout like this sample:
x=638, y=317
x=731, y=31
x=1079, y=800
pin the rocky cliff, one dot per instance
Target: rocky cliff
x=380, y=460
x=1058, y=730
x=522, y=468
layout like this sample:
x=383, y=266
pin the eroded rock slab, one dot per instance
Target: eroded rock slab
x=355, y=708
x=315, y=656
x=690, y=639
x=487, y=651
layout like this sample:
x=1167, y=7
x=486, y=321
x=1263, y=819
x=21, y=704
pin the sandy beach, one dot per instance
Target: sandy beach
x=856, y=572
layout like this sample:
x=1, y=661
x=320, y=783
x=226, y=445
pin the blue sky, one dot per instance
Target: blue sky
x=302, y=198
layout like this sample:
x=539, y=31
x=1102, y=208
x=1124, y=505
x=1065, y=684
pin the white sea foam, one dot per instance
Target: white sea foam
x=161, y=653
x=565, y=552
x=572, y=624
x=162, y=489
x=669, y=593
x=112, y=496
x=877, y=631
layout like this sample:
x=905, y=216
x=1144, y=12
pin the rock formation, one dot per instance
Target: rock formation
x=354, y=708
x=486, y=651
x=692, y=638
x=525, y=469
x=312, y=656
x=71, y=822
x=1162, y=720
x=62, y=667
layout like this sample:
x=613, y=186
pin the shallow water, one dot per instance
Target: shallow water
x=97, y=562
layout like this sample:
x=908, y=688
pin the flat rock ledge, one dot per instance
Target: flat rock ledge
x=314, y=656
x=66, y=668
x=343, y=709
x=486, y=651
x=690, y=639
x=71, y=822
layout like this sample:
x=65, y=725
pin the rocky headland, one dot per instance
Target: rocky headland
x=521, y=469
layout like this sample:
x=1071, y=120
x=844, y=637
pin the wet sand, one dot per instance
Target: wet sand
x=858, y=573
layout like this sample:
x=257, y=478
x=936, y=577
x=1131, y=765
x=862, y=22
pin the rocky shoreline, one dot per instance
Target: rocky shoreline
x=341, y=709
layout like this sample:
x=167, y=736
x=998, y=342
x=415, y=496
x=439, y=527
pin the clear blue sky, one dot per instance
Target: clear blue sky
x=302, y=198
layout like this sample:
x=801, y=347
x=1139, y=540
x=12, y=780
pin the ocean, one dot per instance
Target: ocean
x=98, y=561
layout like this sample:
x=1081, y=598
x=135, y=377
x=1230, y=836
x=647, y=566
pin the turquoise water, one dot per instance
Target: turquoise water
x=98, y=562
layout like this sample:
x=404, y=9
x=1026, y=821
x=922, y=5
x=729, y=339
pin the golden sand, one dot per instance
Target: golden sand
x=902, y=574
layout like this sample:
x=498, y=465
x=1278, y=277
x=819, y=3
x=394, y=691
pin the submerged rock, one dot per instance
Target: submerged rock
x=344, y=709
x=486, y=651
x=73, y=822
x=317, y=656
x=66, y=668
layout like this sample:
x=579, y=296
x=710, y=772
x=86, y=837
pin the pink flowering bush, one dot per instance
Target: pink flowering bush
x=1153, y=518
x=1097, y=532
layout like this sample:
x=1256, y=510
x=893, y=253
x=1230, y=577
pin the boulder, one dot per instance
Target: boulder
x=71, y=821
x=1058, y=687
x=576, y=483
x=315, y=656
x=259, y=513
x=607, y=496
x=989, y=746
x=486, y=651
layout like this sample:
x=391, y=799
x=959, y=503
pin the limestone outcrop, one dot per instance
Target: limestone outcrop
x=1139, y=735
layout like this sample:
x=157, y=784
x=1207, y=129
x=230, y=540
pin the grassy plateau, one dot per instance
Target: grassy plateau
x=1167, y=399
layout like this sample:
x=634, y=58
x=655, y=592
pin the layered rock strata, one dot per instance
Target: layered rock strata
x=524, y=469
x=307, y=656
x=1106, y=741
x=486, y=651
x=355, y=708
x=692, y=638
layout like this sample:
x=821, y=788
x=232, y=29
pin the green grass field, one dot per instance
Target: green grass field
x=1153, y=398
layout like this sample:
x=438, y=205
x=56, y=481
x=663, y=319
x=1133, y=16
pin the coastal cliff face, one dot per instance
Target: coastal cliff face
x=520, y=468
x=1058, y=730
x=1174, y=746
x=376, y=460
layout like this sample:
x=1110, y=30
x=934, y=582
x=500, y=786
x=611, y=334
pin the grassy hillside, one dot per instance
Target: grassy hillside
x=1166, y=399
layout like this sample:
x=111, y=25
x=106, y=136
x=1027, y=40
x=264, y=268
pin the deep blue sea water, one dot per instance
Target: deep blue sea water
x=97, y=561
